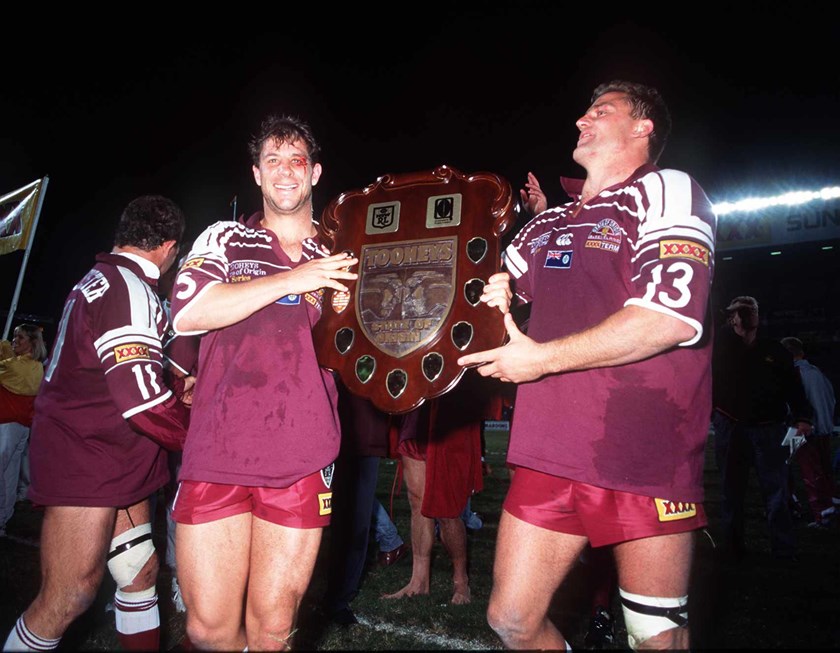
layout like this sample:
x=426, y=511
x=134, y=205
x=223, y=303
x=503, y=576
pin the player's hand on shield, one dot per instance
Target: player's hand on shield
x=326, y=272
x=520, y=360
x=497, y=291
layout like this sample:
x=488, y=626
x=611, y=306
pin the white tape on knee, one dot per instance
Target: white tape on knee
x=646, y=616
x=129, y=553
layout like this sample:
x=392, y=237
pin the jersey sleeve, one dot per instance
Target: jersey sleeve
x=517, y=259
x=127, y=323
x=673, y=256
x=206, y=265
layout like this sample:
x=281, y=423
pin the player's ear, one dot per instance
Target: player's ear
x=316, y=173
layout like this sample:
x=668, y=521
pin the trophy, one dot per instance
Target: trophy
x=426, y=242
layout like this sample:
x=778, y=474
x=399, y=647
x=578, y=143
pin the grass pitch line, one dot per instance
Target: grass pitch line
x=451, y=643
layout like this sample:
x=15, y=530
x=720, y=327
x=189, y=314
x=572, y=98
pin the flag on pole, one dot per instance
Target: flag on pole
x=17, y=215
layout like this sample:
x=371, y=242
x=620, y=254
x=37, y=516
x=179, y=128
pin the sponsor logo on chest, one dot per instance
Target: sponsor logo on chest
x=606, y=235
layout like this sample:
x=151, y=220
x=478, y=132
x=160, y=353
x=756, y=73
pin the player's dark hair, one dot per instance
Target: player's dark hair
x=647, y=104
x=148, y=222
x=283, y=129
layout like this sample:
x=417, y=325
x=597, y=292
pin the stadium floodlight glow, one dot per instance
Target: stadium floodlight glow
x=792, y=198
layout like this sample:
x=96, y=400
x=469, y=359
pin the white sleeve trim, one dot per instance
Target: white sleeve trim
x=149, y=404
x=697, y=326
x=177, y=319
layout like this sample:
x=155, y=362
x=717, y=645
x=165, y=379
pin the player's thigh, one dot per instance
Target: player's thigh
x=281, y=565
x=530, y=564
x=132, y=516
x=212, y=562
x=74, y=545
x=641, y=568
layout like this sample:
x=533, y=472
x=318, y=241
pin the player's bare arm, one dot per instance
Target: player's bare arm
x=223, y=304
x=629, y=335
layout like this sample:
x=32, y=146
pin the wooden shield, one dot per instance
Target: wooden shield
x=427, y=242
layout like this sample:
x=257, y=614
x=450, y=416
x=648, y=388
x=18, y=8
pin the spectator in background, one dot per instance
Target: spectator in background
x=440, y=459
x=364, y=442
x=757, y=395
x=21, y=372
x=814, y=456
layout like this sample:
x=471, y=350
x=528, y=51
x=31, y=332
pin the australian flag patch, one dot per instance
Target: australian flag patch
x=558, y=259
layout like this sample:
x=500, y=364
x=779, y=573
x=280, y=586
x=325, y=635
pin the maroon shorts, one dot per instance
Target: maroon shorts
x=604, y=516
x=305, y=504
x=412, y=448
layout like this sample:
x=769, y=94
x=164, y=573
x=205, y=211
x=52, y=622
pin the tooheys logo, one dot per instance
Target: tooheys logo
x=673, y=510
x=130, y=352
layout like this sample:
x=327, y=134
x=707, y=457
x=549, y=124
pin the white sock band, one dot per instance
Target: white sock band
x=136, y=612
x=23, y=639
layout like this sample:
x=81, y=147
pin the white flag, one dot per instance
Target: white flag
x=17, y=214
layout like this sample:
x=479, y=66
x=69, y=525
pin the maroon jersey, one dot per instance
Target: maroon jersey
x=103, y=385
x=640, y=427
x=264, y=413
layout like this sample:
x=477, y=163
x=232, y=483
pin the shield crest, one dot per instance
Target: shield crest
x=427, y=242
x=404, y=297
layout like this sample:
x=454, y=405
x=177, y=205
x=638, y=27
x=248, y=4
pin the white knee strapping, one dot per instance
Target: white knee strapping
x=129, y=552
x=646, y=616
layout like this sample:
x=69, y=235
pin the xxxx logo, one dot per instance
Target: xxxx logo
x=673, y=510
x=684, y=249
x=130, y=352
x=325, y=503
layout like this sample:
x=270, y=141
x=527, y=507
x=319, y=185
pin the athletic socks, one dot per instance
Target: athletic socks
x=138, y=619
x=23, y=639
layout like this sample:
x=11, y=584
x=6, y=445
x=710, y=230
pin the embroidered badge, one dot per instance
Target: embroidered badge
x=327, y=474
x=564, y=240
x=325, y=503
x=673, y=510
x=130, y=352
x=605, y=235
x=684, y=249
x=538, y=242
x=316, y=298
x=289, y=300
x=561, y=259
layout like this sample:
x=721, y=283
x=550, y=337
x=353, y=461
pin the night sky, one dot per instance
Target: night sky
x=149, y=102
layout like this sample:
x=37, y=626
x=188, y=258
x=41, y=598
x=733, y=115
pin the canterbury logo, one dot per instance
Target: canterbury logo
x=130, y=352
x=673, y=510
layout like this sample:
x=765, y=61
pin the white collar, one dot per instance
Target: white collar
x=149, y=269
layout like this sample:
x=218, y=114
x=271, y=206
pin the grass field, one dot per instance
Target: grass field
x=757, y=603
